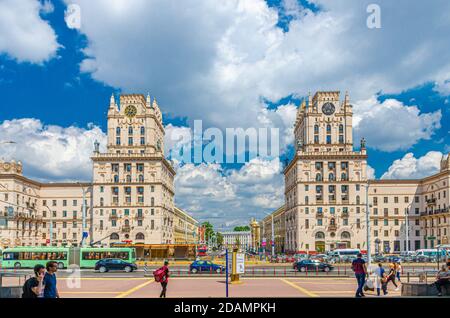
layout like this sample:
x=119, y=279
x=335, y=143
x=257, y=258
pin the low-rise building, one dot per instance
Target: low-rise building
x=243, y=239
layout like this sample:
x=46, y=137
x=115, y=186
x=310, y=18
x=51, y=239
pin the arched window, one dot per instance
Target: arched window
x=118, y=131
x=127, y=223
x=114, y=236
x=130, y=130
x=341, y=129
x=345, y=235
x=332, y=221
x=328, y=129
x=140, y=236
x=331, y=177
x=358, y=200
x=318, y=177
x=141, y=178
x=320, y=236
x=128, y=178
x=116, y=178
x=316, y=129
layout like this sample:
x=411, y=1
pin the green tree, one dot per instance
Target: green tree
x=209, y=230
x=219, y=237
x=242, y=228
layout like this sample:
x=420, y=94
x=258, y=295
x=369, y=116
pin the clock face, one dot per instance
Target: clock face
x=130, y=111
x=328, y=108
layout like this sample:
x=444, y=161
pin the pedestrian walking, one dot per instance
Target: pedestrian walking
x=34, y=286
x=50, y=289
x=162, y=276
x=391, y=276
x=442, y=279
x=381, y=283
x=360, y=270
x=399, y=271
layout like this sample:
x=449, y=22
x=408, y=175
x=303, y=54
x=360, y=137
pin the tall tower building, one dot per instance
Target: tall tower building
x=325, y=183
x=133, y=183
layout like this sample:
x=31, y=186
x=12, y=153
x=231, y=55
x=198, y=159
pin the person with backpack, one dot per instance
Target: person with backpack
x=50, y=290
x=162, y=276
x=34, y=286
x=360, y=269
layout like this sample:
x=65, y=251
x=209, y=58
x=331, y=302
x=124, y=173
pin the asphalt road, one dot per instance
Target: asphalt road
x=253, y=271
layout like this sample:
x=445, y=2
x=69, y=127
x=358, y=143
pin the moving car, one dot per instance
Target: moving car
x=114, y=264
x=312, y=265
x=205, y=266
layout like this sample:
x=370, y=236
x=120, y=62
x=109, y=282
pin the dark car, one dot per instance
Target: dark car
x=205, y=266
x=312, y=265
x=114, y=264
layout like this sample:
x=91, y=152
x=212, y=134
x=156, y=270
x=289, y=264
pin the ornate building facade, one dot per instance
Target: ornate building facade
x=326, y=184
x=131, y=197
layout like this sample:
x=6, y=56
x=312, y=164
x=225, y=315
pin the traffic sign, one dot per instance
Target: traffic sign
x=85, y=234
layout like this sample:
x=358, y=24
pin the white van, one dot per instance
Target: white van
x=346, y=253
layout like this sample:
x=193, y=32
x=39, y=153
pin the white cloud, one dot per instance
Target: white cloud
x=24, y=35
x=370, y=172
x=216, y=60
x=211, y=192
x=391, y=125
x=410, y=167
x=50, y=152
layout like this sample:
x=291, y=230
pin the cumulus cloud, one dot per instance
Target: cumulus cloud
x=391, y=125
x=410, y=167
x=211, y=192
x=370, y=173
x=25, y=36
x=50, y=152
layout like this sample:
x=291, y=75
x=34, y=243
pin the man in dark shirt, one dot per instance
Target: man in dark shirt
x=51, y=291
x=34, y=287
x=359, y=267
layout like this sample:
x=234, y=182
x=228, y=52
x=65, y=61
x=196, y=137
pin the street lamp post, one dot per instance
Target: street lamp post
x=407, y=227
x=83, y=222
x=369, y=259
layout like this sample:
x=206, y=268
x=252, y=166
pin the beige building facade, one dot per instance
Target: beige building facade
x=326, y=184
x=279, y=229
x=131, y=197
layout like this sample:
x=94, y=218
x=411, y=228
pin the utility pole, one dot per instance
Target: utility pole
x=368, y=225
x=407, y=227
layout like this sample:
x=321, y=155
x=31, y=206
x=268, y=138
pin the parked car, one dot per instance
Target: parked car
x=114, y=264
x=312, y=265
x=205, y=266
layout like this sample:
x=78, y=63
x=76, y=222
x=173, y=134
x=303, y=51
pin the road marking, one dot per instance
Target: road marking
x=91, y=292
x=132, y=290
x=303, y=290
x=104, y=278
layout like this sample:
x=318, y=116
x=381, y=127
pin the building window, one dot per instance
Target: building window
x=130, y=130
x=130, y=141
x=142, y=130
x=117, y=141
x=118, y=131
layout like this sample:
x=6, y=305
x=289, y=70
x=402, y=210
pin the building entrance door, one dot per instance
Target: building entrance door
x=320, y=246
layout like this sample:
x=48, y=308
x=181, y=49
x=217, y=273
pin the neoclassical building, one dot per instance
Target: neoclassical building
x=130, y=199
x=326, y=184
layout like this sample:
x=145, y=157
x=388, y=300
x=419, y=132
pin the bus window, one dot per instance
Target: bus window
x=10, y=256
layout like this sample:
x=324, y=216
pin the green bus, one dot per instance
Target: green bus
x=28, y=257
x=91, y=255
x=85, y=257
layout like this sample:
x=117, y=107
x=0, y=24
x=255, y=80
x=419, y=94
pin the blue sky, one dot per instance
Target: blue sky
x=226, y=67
